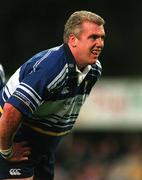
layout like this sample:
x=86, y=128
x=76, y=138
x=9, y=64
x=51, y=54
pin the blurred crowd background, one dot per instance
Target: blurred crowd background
x=100, y=156
x=107, y=142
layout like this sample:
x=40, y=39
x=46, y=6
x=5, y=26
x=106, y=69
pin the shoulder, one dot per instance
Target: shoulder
x=48, y=54
x=46, y=61
x=1, y=68
x=49, y=65
x=2, y=76
x=97, y=64
x=53, y=61
x=97, y=68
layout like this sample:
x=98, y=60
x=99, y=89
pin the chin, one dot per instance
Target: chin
x=93, y=61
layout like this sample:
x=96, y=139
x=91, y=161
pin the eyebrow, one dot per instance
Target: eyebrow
x=95, y=36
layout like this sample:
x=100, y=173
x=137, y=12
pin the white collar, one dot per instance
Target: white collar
x=85, y=71
x=82, y=74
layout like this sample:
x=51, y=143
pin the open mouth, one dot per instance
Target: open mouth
x=96, y=53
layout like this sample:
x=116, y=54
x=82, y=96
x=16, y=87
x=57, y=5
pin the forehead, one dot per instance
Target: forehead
x=92, y=28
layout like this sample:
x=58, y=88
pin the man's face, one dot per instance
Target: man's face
x=89, y=44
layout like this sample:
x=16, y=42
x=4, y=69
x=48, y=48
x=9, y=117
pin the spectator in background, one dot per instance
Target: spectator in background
x=2, y=77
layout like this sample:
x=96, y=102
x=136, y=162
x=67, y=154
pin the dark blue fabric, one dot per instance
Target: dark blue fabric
x=42, y=159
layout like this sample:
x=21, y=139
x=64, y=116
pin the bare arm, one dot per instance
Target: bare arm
x=9, y=123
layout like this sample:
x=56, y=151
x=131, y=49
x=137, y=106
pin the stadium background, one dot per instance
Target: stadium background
x=106, y=143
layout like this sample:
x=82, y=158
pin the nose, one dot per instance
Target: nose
x=100, y=42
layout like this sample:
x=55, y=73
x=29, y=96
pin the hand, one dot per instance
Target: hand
x=21, y=151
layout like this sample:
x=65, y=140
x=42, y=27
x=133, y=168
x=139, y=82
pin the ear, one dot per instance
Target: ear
x=72, y=40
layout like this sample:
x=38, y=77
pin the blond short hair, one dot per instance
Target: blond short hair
x=73, y=24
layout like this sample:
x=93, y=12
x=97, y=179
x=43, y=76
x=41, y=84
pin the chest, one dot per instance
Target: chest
x=70, y=88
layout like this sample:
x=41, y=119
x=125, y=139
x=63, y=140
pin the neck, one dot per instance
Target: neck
x=80, y=66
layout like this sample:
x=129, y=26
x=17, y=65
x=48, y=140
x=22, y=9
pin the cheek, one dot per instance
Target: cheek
x=85, y=48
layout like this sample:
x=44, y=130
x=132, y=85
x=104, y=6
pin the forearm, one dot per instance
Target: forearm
x=7, y=132
x=9, y=123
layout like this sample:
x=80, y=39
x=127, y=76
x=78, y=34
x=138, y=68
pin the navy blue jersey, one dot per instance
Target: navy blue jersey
x=47, y=91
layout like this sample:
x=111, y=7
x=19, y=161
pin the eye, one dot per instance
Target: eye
x=103, y=37
x=94, y=37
